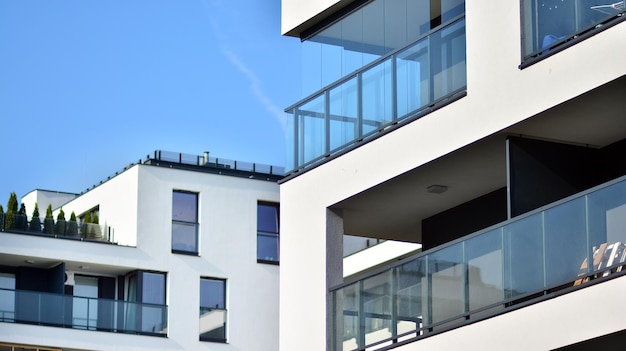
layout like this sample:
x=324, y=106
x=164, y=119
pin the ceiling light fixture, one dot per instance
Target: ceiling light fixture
x=437, y=189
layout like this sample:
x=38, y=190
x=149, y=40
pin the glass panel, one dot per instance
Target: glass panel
x=347, y=318
x=85, y=311
x=445, y=269
x=267, y=247
x=267, y=218
x=607, y=220
x=373, y=29
x=212, y=293
x=184, y=237
x=565, y=240
x=290, y=142
x=523, y=258
x=7, y=297
x=311, y=133
x=447, y=49
x=185, y=207
x=311, y=66
x=377, y=105
x=212, y=324
x=153, y=289
x=343, y=114
x=153, y=319
x=412, y=78
x=484, y=265
x=411, y=282
x=395, y=24
x=376, y=301
x=332, y=50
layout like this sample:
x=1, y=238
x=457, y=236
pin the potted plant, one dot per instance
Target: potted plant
x=35, y=221
x=97, y=231
x=59, y=227
x=9, y=222
x=1, y=218
x=48, y=222
x=21, y=220
x=91, y=229
x=72, y=226
x=84, y=228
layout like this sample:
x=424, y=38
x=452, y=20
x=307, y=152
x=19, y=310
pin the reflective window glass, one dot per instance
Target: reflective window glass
x=267, y=232
x=212, y=310
x=185, y=222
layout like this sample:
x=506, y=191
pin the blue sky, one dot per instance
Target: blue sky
x=88, y=86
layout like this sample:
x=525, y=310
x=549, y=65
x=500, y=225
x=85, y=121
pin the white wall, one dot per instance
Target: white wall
x=295, y=12
x=499, y=95
x=43, y=198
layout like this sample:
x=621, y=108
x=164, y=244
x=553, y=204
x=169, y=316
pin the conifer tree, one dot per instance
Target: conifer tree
x=48, y=222
x=35, y=222
x=11, y=211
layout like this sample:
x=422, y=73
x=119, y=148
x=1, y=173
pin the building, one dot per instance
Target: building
x=490, y=132
x=184, y=256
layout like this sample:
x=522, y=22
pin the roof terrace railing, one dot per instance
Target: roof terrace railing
x=206, y=161
x=557, y=247
x=20, y=224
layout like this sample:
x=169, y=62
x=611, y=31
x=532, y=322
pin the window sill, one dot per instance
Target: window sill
x=221, y=341
x=188, y=253
x=275, y=263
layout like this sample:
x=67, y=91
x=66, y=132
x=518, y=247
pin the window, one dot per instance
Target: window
x=267, y=243
x=146, y=311
x=550, y=23
x=185, y=222
x=212, y=309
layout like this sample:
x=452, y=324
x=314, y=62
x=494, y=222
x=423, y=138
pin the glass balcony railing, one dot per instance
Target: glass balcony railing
x=403, y=84
x=49, y=227
x=559, y=246
x=30, y=307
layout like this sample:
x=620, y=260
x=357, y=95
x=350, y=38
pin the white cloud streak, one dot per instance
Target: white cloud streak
x=255, y=83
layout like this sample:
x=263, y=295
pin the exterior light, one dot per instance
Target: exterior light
x=437, y=189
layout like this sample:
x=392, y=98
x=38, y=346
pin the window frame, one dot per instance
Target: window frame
x=196, y=224
x=262, y=233
x=224, y=309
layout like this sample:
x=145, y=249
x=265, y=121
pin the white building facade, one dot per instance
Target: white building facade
x=491, y=133
x=184, y=257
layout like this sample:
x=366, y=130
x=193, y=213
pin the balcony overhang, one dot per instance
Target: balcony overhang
x=395, y=209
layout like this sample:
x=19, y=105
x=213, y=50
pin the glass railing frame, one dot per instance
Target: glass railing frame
x=503, y=305
x=396, y=121
x=118, y=305
x=83, y=231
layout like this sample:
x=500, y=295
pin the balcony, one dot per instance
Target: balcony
x=20, y=224
x=395, y=89
x=553, y=250
x=39, y=308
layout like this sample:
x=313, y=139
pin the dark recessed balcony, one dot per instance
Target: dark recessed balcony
x=555, y=249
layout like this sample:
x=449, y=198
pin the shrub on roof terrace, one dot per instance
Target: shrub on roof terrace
x=9, y=222
x=21, y=220
x=1, y=218
x=48, y=222
x=59, y=227
x=35, y=221
x=72, y=226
